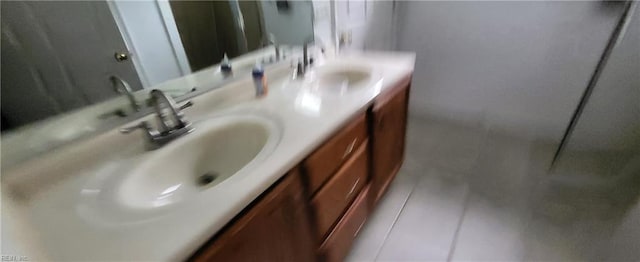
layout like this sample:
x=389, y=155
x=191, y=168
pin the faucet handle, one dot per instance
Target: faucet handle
x=144, y=125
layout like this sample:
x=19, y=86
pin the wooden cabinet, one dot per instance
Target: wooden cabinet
x=275, y=228
x=388, y=132
x=339, y=241
x=322, y=163
x=316, y=213
x=335, y=197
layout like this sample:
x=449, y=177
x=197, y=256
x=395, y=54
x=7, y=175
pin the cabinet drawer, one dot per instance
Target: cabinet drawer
x=322, y=163
x=338, y=244
x=336, y=195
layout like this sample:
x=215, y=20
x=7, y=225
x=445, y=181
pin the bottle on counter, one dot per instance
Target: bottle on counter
x=225, y=66
x=259, y=80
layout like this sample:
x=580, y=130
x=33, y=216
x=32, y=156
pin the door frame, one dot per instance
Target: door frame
x=170, y=28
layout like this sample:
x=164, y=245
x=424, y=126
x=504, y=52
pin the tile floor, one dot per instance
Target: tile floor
x=470, y=194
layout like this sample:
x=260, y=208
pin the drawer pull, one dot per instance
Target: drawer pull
x=353, y=188
x=350, y=148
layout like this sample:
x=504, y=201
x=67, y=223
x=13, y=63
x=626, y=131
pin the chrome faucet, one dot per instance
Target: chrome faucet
x=302, y=68
x=171, y=124
x=122, y=87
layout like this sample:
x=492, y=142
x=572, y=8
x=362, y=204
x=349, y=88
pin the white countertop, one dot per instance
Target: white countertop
x=56, y=195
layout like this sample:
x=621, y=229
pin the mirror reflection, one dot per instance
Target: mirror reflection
x=96, y=61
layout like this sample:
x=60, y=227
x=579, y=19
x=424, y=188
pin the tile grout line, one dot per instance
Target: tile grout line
x=456, y=234
x=395, y=219
x=467, y=200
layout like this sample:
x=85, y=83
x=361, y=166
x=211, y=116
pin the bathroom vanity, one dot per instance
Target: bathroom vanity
x=318, y=208
x=291, y=176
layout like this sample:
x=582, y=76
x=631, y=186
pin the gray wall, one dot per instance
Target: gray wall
x=611, y=119
x=604, y=147
x=515, y=66
x=289, y=27
x=57, y=57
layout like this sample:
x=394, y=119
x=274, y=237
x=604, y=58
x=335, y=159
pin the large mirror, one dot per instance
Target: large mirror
x=88, y=65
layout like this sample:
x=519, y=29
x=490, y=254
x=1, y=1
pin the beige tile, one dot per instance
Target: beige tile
x=547, y=242
x=426, y=226
x=489, y=233
x=501, y=179
x=444, y=145
x=625, y=239
x=370, y=240
x=502, y=170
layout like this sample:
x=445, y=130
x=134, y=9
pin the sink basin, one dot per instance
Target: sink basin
x=215, y=151
x=332, y=79
x=341, y=77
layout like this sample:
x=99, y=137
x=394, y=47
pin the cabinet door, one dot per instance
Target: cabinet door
x=276, y=228
x=388, y=136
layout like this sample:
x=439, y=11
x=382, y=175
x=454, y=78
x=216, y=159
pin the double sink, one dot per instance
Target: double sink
x=217, y=149
x=109, y=191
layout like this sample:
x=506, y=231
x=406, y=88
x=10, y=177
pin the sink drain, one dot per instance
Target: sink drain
x=207, y=178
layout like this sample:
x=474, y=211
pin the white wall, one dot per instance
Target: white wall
x=380, y=28
x=370, y=24
x=152, y=36
x=516, y=66
x=365, y=25
x=323, y=22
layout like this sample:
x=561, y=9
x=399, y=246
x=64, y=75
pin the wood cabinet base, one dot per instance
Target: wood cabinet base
x=339, y=241
x=343, y=181
x=388, y=131
x=276, y=228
